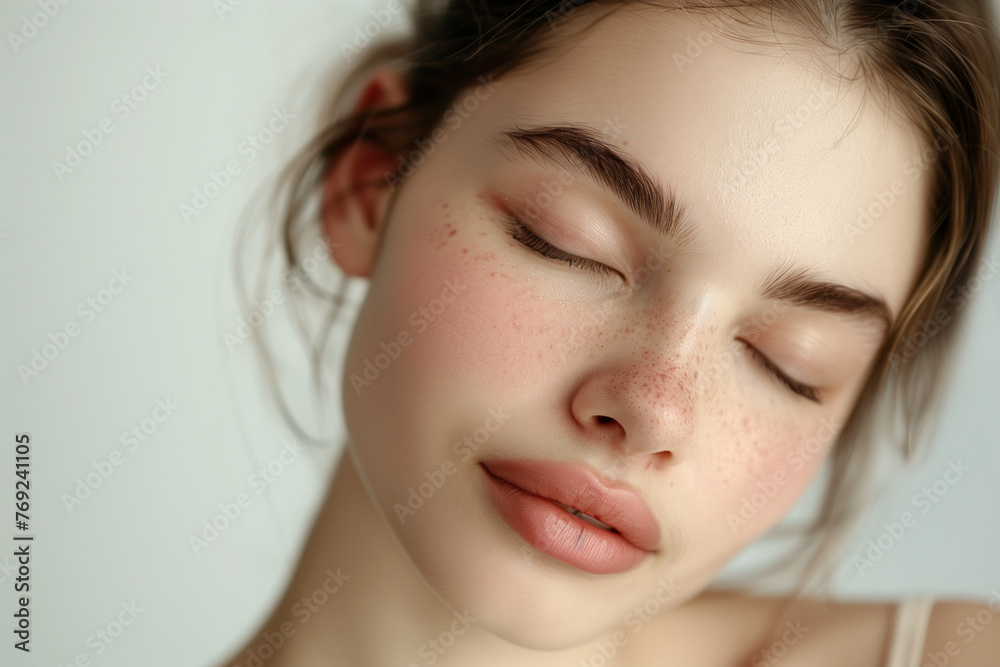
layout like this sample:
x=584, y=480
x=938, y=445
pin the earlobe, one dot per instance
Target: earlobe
x=356, y=195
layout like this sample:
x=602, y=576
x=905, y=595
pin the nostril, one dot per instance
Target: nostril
x=608, y=424
x=659, y=460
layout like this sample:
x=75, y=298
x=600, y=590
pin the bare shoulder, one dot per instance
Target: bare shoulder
x=960, y=633
x=836, y=633
x=963, y=633
x=733, y=628
x=767, y=631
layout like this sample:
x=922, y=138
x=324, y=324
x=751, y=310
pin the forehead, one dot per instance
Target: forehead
x=780, y=160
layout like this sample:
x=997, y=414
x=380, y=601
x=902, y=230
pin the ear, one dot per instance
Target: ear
x=355, y=192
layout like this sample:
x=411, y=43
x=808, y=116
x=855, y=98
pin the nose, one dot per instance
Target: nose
x=642, y=402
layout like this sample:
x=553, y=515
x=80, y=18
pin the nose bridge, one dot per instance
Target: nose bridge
x=667, y=359
x=647, y=384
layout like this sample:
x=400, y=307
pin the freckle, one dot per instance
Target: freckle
x=465, y=251
x=493, y=274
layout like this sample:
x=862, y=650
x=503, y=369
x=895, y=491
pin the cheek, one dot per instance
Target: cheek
x=496, y=335
x=764, y=472
x=754, y=445
x=447, y=325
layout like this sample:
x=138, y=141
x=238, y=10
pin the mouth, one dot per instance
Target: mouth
x=570, y=513
x=586, y=517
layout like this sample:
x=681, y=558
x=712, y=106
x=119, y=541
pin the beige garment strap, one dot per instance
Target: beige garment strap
x=910, y=631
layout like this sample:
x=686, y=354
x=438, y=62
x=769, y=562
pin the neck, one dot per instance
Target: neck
x=356, y=599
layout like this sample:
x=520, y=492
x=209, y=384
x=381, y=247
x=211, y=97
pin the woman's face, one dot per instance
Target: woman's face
x=646, y=363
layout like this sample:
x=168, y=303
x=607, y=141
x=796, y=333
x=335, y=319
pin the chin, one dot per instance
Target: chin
x=517, y=593
x=530, y=613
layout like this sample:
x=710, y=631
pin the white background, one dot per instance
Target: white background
x=162, y=338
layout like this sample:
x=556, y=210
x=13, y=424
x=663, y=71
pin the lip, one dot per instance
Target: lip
x=528, y=494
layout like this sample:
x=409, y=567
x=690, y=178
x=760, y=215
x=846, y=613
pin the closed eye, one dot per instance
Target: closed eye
x=758, y=357
x=532, y=241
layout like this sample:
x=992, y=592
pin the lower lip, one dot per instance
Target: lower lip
x=555, y=532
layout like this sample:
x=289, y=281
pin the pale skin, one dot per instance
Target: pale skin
x=644, y=371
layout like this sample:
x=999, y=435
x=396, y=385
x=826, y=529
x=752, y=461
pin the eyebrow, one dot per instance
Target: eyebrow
x=802, y=288
x=658, y=207
x=623, y=175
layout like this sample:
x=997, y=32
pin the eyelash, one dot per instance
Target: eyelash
x=805, y=391
x=532, y=241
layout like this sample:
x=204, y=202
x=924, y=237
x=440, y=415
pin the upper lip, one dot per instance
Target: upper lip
x=578, y=486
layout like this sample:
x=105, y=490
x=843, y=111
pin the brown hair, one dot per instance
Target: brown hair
x=938, y=61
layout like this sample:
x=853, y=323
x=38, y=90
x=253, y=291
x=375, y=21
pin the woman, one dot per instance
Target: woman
x=632, y=268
